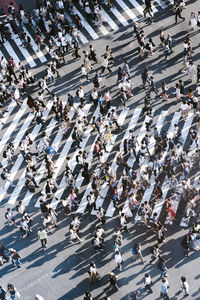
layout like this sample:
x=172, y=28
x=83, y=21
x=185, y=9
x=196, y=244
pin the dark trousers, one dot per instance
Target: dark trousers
x=103, y=69
x=44, y=243
x=178, y=15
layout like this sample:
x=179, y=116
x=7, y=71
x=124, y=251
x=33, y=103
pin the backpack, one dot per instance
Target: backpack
x=4, y=154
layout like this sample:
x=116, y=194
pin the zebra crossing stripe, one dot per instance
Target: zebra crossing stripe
x=185, y=130
x=85, y=24
x=137, y=6
x=80, y=179
x=12, y=126
x=10, y=108
x=34, y=46
x=185, y=221
x=20, y=159
x=80, y=35
x=119, y=16
x=108, y=19
x=41, y=170
x=104, y=190
x=11, y=52
x=19, y=136
x=111, y=209
x=148, y=192
x=127, y=10
x=83, y=203
x=60, y=161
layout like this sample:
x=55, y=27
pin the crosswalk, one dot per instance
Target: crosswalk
x=131, y=119
x=123, y=13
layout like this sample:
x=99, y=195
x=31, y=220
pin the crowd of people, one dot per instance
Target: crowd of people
x=170, y=157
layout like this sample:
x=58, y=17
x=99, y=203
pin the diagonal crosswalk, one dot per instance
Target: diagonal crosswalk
x=134, y=122
x=123, y=13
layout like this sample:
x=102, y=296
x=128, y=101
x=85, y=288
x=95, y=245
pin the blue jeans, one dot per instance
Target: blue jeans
x=16, y=262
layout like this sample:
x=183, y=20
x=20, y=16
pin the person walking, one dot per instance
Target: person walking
x=148, y=283
x=162, y=267
x=155, y=251
x=118, y=260
x=178, y=13
x=112, y=278
x=5, y=175
x=3, y=294
x=42, y=235
x=164, y=289
x=148, y=121
x=184, y=286
x=105, y=65
x=12, y=291
x=137, y=250
x=15, y=257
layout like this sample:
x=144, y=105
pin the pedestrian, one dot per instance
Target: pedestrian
x=178, y=13
x=145, y=77
x=148, y=121
x=162, y=267
x=155, y=252
x=105, y=65
x=184, y=286
x=118, y=259
x=148, y=283
x=193, y=20
x=15, y=258
x=191, y=71
x=164, y=289
x=152, y=87
x=9, y=217
x=112, y=278
x=137, y=250
x=42, y=235
x=93, y=273
x=87, y=296
x=12, y=291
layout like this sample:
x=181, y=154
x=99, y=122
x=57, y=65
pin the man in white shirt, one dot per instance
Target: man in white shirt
x=184, y=109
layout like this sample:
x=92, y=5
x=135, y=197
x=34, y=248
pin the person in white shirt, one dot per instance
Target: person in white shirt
x=184, y=109
x=148, y=121
x=84, y=72
x=118, y=259
x=184, y=286
x=148, y=283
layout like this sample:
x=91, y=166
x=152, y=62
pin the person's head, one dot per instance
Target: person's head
x=183, y=279
x=146, y=275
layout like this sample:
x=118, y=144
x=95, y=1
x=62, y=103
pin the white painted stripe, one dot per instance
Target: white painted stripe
x=108, y=19
x=34, y=46
x=73, y=164
x=152, y=142
x=111, y=209
x=137, y=6
x=24, y=52
x=86, y=25
x=12, y=126
x=127, y=10
x=20, y=159
x=185, y=130
x=83, y=39
x=60, y=161
x=105, y=187
x=11, y=52
x=119, y=16
x=83, y=203
x=148, y=192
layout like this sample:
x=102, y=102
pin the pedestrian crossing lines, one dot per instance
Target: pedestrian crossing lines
x=122, y=14
x=162, y=122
